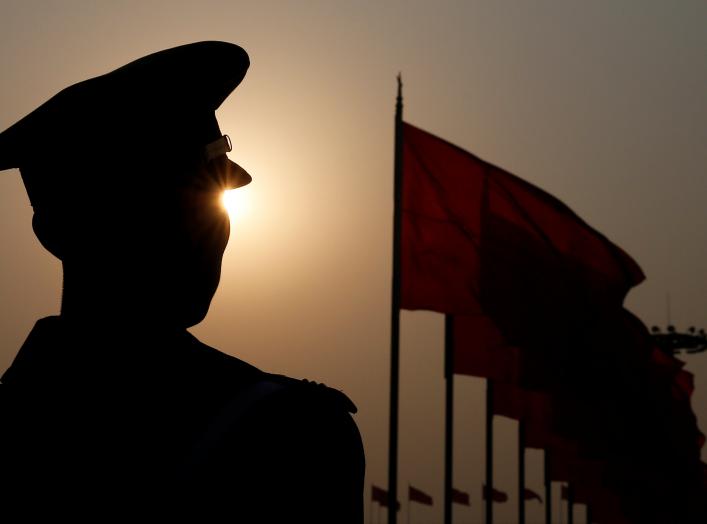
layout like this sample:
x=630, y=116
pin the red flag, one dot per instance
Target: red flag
x=451, y=199
x=533, y=407
x=478, y=240
x=579, y=422
x=481, y=350
x=460, y=497
x=415, y=495
x=496, y=495
x=380, y=496
x=565, y=492
x=529, y=494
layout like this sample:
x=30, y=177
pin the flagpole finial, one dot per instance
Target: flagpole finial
x=400, y=88
x=399, y=100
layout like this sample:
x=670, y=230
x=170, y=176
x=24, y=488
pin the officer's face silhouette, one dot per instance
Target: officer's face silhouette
x=147, y=253
x=200, y=234
x=190, y=230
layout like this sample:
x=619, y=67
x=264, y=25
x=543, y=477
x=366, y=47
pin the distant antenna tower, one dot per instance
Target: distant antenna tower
x=672, y=341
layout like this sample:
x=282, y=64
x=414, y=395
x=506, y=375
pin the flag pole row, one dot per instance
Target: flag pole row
x=500, y=257
x=391, y=502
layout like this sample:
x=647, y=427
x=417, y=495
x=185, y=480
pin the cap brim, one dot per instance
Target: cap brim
x=237, y=176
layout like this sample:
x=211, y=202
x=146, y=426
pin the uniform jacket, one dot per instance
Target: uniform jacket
x=100, y=425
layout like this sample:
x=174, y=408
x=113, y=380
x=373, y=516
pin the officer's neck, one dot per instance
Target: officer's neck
x=112, y=304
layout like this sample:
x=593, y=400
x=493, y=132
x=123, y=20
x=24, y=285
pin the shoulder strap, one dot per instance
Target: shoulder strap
x=331, y=396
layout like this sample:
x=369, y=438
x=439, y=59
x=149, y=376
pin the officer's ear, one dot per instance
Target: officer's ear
x=49, y=231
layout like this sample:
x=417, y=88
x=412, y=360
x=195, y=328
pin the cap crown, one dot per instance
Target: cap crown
x=136, y=114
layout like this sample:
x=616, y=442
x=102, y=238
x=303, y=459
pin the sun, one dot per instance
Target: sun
x=236, y=202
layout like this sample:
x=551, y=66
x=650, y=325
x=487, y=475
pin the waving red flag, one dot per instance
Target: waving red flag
x=496, y=495
x=481, y=350
x=565, y=492
x=533, y=407
x=380, y=496
x=477, y=240
x=529, y=494
x=460, y=497
x=416, y=495
x=461, y=213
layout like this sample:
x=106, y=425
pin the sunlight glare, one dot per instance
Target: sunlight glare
x=236, y=202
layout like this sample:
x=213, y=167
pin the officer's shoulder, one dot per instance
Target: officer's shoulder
x=208, y=364
x=306, y=419
x=266, y=392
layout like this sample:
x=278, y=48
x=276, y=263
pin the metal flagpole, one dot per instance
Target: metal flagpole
x=449, y=414
x=521, y=472
x=489, y=451
x=409, y=508
x=395, y=313
x=548, y=489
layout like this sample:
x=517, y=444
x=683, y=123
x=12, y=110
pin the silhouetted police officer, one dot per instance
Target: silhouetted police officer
x=113, y=409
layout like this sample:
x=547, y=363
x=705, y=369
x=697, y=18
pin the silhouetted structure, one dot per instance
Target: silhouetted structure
x=113, y=409
x=673, y=342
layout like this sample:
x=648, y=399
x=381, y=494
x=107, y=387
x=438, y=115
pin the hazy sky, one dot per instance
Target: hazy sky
x=601, y=103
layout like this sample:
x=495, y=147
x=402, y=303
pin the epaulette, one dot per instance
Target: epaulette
x=317, y=391
x=330, y=395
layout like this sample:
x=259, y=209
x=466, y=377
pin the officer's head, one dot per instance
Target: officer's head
x=125, y=173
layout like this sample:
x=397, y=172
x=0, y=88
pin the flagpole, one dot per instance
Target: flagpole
x=449, y=414
x=521, y=471
x=489, y=451
x=548, y=488
x=395, y=312
x=409, y=511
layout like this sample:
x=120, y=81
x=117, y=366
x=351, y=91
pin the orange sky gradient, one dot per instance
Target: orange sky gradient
x=599, y=103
